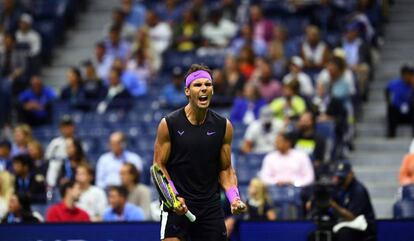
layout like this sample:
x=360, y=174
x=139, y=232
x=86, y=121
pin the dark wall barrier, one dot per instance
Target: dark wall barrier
x=388, y=230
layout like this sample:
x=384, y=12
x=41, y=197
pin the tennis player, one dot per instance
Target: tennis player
x=193, y=149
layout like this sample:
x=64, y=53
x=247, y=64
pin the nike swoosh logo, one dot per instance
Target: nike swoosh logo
x=209, y=133
x=180, y=132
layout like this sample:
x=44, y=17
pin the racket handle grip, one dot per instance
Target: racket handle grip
x=190, y=216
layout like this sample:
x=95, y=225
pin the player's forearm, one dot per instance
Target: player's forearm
x=228, y=178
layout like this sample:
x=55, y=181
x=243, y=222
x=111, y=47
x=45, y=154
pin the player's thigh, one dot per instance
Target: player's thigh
x=207, y=230
x=173, y=227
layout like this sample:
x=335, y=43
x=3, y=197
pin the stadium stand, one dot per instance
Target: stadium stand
x=68, y=31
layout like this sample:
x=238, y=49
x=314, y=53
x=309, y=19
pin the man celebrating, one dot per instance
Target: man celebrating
x=193, y=149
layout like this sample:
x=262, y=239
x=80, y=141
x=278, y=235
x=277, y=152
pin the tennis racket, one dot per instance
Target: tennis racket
x=166, y=192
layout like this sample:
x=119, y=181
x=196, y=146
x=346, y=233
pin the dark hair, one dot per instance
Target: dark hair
x=289, y=136
x=121, y=190
x=77, y=73
x=79, y=152
x=115, y=29
x=338, y=62
x=119, y=11
x=133, y=171
x=406, y=69
x=117, y=71
x=100, y=44
x=196, y=67
x=24, y=201
x=24, y=159
x=5, y=144
x=64, y=188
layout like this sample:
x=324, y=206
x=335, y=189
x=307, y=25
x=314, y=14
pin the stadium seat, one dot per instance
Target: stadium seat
x=404, y=209
x=287, y=200
x=247, y=166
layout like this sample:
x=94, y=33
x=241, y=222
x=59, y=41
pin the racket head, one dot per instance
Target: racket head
x=163, y=187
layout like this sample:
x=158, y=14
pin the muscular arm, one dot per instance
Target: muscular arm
x=227, y=177
x=162, y=147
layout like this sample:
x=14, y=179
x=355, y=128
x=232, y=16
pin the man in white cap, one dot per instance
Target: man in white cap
x=306, y=87
x=26, y=35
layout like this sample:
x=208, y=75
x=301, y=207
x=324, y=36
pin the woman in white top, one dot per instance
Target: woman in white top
x=92, y=199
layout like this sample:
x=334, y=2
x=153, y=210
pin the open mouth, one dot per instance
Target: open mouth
x=203, y=98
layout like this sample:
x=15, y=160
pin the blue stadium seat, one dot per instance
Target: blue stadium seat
x=287, y=201
x=408, y=192
x=404, y=209
x=247, y=167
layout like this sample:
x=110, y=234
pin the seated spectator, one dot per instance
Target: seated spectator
x=261, y=134
x=218, y=31
x=93, y=85
x=121, y=209
x=314, y=51
x=296, y=73
x=73, y=93
x=35, y=103
x=116, y=97
x=27, y=35
x=75, y=157
x=131, y=80
x=138, y=193
x=233, y=77
x=290, y=105
x=327, y=16
x=109, y=164
x=269, y=87
x=22, y=136
x=399, y=95
x=358, y=56
x=5, y=156
x=222, y=97
x=407, y=170
x=286, y=165
x=200, y=8
x=27, y=181
x=246, y=107
x=308, y=141
x=19, y=210
x=134, y=12
x=13, y=65
x=324, y=78
x=278, y=51
x=160, y=33
x=92, y=199
x=115, y=45
x=66, y=210
x=262, y=27
x=6, y=191
x=9, y=15
x=172, y=93
x=257, y=44
x=145, y=53
x=170, y=11
x=259, y=203
x=118, y=19
x=187, y=34
x=246, y=62
x=56, y=150
x=350, y=201
x=102, y=60
x=142, y=66
x=35, y=151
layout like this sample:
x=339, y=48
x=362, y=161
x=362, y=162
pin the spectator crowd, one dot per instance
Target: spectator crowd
x=290, y=75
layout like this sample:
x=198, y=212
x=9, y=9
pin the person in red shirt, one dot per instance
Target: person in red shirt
x=66, y=211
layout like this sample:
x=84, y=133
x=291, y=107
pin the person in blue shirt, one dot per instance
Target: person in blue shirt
x=120, y=209
x=172, y=94
x=35, y=103
x=5, y=151
x=399, y=95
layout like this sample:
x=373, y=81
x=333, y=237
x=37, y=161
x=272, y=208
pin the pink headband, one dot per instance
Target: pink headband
x=199, y=74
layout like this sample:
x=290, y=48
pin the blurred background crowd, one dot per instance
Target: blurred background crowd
x=291, y=75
